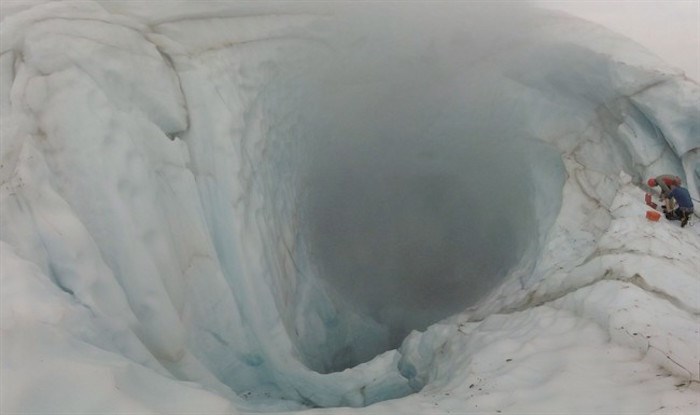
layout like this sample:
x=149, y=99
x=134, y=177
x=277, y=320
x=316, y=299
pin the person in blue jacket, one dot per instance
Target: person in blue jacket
x=684, y=202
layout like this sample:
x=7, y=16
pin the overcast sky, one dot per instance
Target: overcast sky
x=670, y=28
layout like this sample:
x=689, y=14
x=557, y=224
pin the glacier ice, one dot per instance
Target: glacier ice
x=221, y=207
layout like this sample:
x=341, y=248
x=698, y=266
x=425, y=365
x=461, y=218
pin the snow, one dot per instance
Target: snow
x=236, y=207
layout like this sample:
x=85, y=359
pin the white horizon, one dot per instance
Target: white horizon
x=670, y=29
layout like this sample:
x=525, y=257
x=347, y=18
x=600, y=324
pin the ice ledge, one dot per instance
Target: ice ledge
x=112, y=52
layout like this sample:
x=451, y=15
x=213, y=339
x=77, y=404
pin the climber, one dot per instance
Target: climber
x=685, y=205
x=665, y=181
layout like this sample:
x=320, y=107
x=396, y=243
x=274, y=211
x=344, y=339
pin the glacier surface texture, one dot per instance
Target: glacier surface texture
x=221, y=207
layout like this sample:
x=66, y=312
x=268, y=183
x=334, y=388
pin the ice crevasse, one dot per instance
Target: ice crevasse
x=231, y=207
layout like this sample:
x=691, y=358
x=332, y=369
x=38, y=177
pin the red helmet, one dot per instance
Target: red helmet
x=651, y=182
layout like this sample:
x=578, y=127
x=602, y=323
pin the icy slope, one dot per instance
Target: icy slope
x=220, y=207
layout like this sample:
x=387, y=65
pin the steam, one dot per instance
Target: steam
x=414, y=186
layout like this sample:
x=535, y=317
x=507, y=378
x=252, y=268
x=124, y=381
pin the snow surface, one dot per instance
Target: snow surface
x=233, y=207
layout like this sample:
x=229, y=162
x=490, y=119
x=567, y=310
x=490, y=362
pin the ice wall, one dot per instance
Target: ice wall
x=221, y=202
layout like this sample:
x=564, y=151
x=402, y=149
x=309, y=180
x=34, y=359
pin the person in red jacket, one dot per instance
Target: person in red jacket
x=665, y=182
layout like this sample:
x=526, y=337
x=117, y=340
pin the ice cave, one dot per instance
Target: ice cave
x=330, y=207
